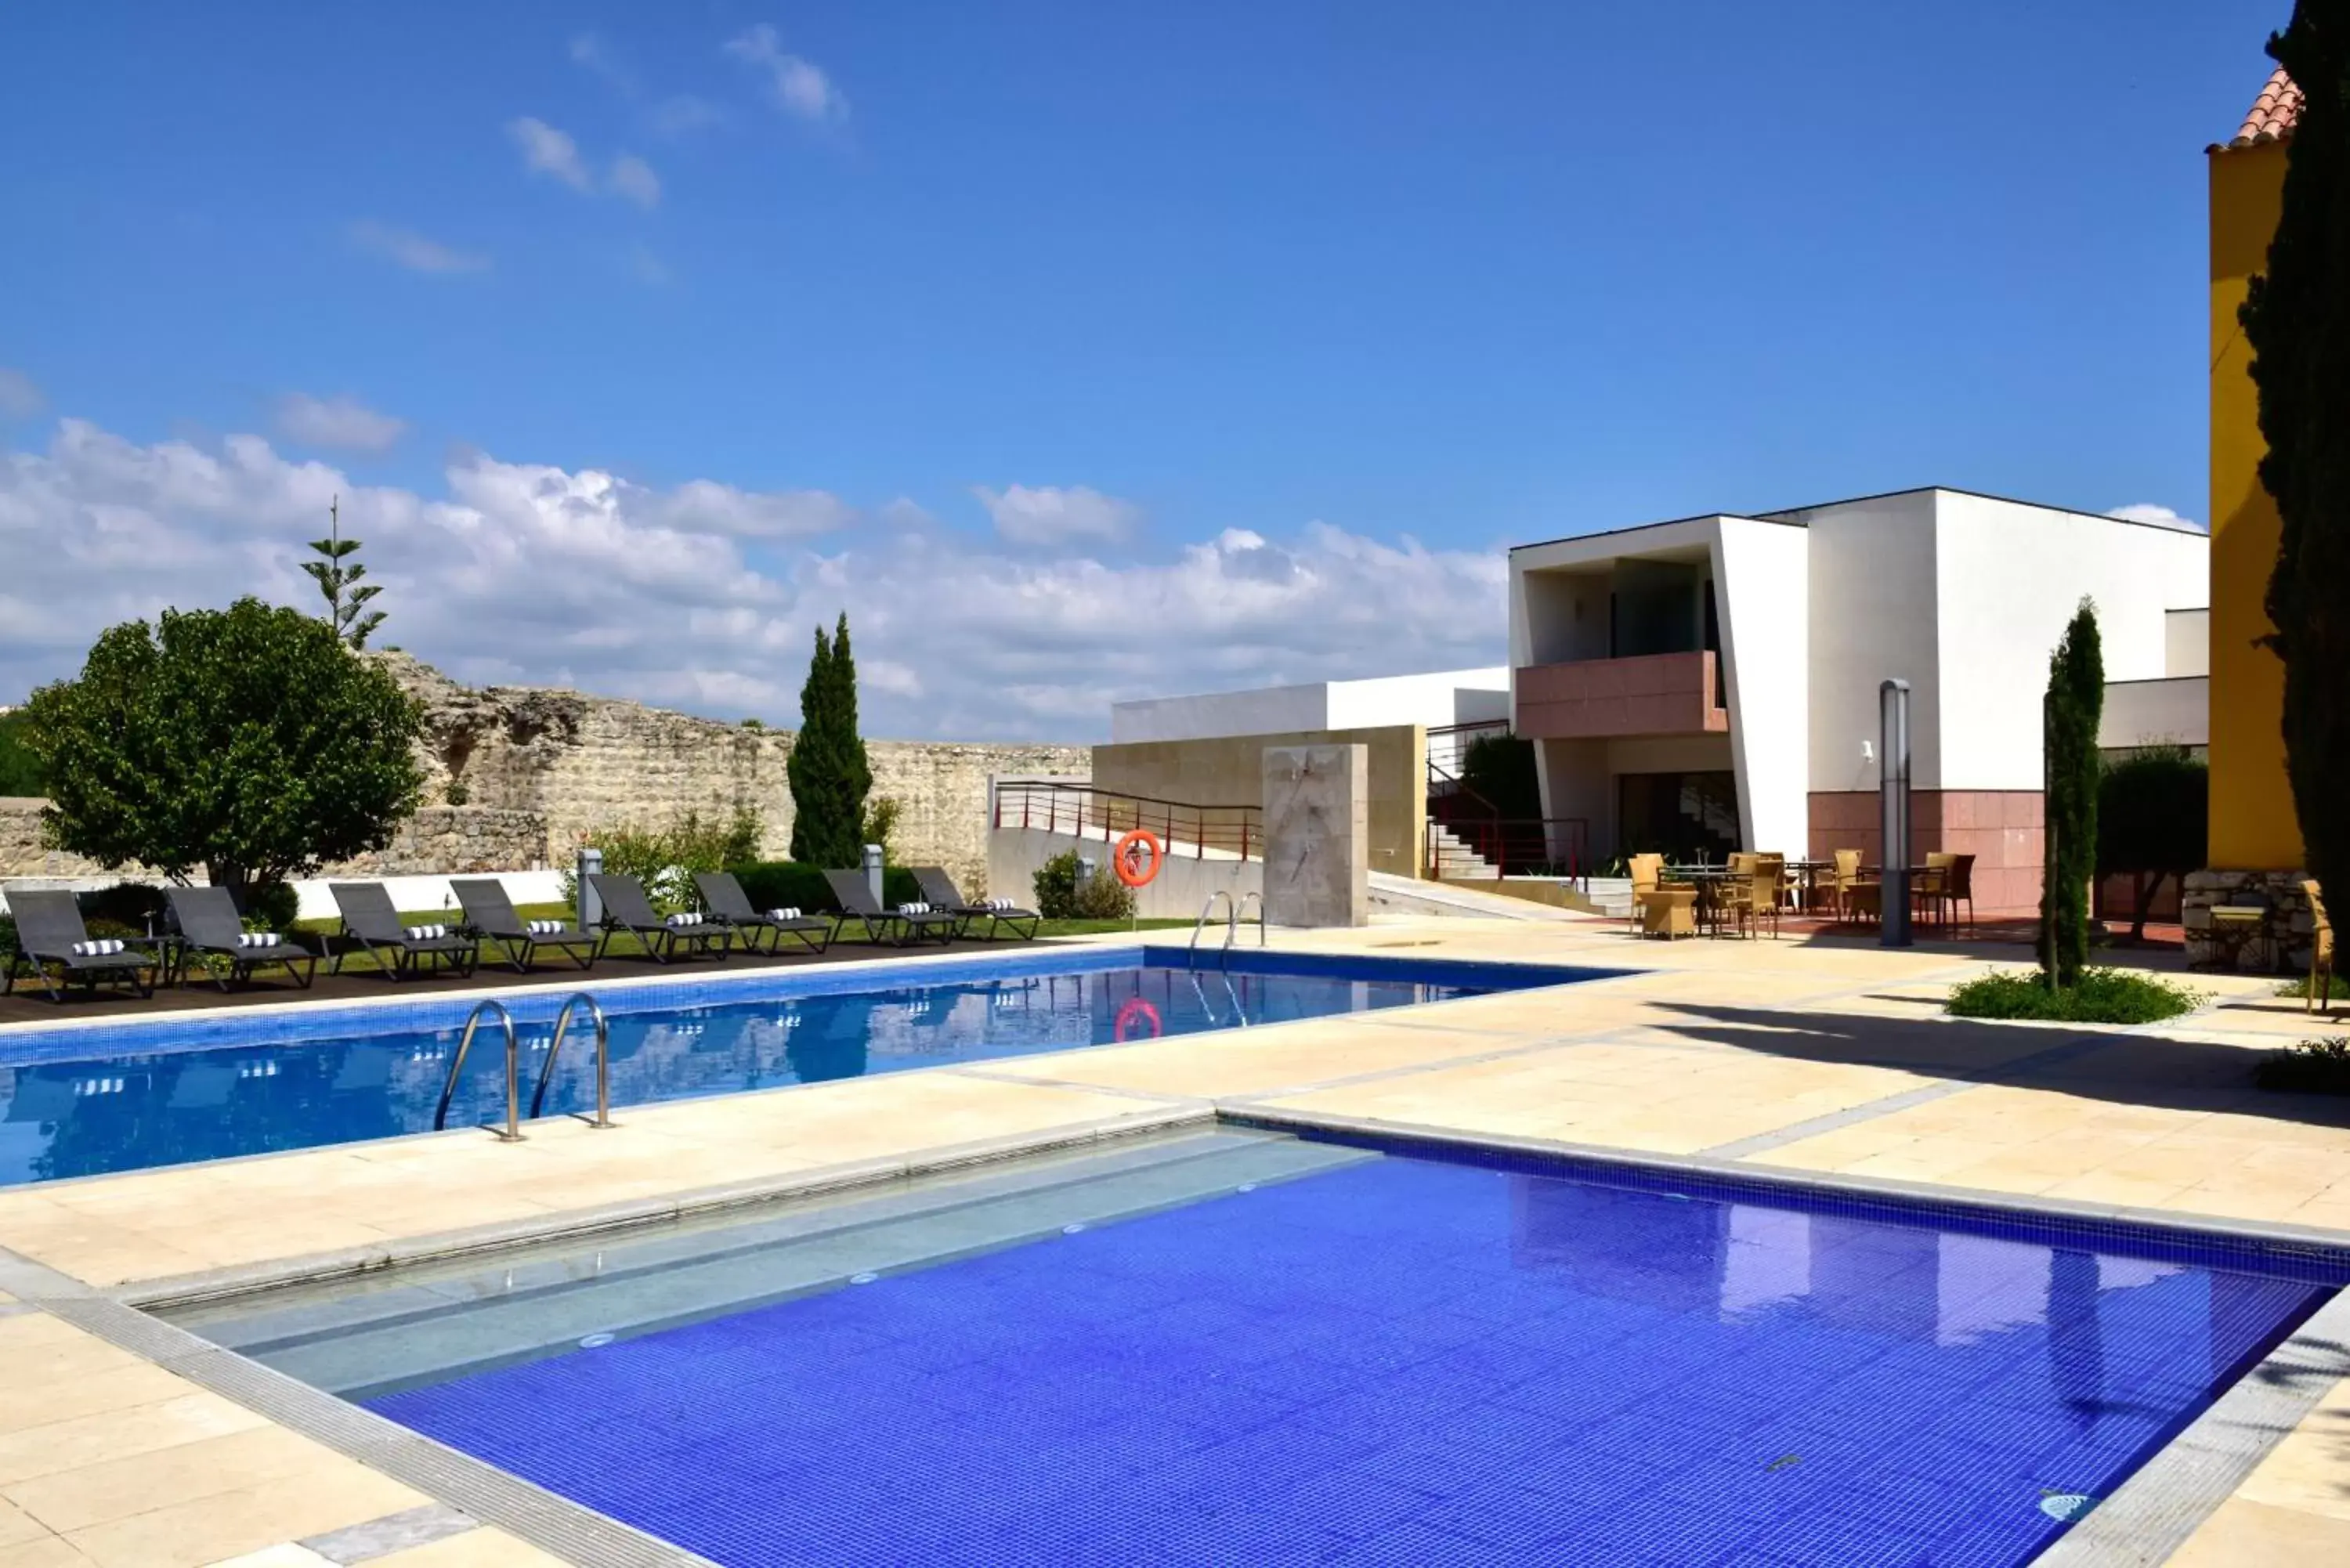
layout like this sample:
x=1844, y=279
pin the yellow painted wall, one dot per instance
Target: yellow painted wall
x=1229, y=770
x=2252, y=824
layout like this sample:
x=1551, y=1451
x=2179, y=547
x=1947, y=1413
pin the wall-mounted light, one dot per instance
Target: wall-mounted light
x=1868, y=751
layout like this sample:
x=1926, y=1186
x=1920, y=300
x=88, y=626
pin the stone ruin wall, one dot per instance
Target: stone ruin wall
x=537, y=768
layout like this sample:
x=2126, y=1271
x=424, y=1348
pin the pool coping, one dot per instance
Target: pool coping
x=2148, y=1516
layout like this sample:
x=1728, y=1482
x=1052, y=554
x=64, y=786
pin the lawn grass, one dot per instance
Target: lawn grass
x=2103, y=996
x=2337, y=988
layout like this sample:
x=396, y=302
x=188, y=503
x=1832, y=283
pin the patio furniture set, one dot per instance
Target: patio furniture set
x=1751, y=888
x=206, y=937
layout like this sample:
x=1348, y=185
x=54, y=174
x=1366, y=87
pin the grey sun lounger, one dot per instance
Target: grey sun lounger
x=855, y=897
x=723, y=899
x=48, y=929
x=208, y=923
x=940, y=890
x=369, y=919
x=626, y=908
x=490, y=911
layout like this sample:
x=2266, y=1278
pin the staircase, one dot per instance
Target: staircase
x=1611, y=896
x=1454, y=860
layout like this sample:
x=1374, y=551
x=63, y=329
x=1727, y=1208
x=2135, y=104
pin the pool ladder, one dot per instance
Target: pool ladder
x=512, y=1132
x=1233, y=910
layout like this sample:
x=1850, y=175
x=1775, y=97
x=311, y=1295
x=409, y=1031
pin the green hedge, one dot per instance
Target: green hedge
x=789, y=884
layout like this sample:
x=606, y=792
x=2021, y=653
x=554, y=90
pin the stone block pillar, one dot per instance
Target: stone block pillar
x=1317, y=816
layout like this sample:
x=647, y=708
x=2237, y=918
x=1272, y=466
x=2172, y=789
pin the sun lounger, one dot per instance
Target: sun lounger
x=900, y=926
x=724, y=900
x=49, y=931
x=489, y=911
x=1000, y=914
x=398, y=950
x=627, y=908
x=209, y=924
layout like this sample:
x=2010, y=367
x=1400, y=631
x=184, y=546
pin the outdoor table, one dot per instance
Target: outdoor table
x=2234, y=928
x=1706, y=880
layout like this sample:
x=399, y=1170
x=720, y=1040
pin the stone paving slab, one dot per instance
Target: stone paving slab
x=1822, y=1054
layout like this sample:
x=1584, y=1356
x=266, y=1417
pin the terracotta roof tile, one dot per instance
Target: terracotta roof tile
x=2272, y=113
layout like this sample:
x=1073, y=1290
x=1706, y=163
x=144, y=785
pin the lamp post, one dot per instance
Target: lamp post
x=1892, y=812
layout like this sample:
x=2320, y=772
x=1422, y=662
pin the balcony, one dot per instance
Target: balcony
x=1601, y=698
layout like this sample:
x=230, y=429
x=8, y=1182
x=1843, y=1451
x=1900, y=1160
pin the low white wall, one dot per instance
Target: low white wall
x=1015, y=854
x=411, y=894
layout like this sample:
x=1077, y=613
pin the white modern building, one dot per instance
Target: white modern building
x=1433, y=702
x=1712, y=681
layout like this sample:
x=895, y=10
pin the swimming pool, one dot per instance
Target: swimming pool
x=1237, y=1346
x=132, y=1094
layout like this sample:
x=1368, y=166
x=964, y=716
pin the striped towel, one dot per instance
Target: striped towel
x=789, y=912
x=427, y=933
x=256, y=938
x=998, y=905
x=97, y=947
x=913, y=909
x=685, y=917
x=543, y=928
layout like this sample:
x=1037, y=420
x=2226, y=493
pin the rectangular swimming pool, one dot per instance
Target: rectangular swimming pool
x=1236, y=1346
x=133, y=1093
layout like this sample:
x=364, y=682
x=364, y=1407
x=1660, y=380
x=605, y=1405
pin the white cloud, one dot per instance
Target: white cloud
x=684, y=113
x=799, y=87
x=2147, y=511
x=546, y=150
x=647, y=268
x=412, y=250
x=702, y=596
x=20, y=395
x=1049, y=514
x=337, y=422
x=633, y=177
x=591, y=53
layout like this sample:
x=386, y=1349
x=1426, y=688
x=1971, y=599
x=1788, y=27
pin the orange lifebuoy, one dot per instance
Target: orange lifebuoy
x=1135, y=1008
x=1134, y=868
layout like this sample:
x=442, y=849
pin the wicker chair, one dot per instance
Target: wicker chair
x=1930, y=885
x=1958, y=888
x=1646, y=872
x=1851, y=895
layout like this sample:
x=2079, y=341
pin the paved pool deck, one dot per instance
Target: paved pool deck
x=122, y=1446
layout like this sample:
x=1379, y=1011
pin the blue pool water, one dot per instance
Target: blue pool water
x=162, y=1094
x=1408, y=1361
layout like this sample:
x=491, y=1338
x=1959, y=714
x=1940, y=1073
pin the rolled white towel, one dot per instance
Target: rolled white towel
x=913, y=909
x=999, y=905
x=543, y=928
x=256, y=938
x=685, y=917
x=427, y=933
x=97, y=947
x=789, y=912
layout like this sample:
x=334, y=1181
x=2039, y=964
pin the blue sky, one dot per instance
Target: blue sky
x=1188, y=277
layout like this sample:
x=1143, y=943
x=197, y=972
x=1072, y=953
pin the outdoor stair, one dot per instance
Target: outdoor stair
x=1457, y=860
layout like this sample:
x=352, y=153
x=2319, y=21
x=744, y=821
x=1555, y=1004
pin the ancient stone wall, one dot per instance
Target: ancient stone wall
x=516, y=775
x=584, y=763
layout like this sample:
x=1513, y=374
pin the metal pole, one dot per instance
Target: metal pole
x=591, y=908
x=2047, y=943
x=1892, y=812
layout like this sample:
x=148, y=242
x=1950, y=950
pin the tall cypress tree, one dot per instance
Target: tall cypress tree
x=826, y=768
x=2074, y=704
x=2297, y=320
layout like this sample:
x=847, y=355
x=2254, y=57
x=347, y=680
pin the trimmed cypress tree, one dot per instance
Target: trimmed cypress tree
x=2297, y=320
x=2074, y=704
x=826, y=768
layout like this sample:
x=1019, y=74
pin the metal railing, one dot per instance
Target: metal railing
x=1510, y=847
x=512, y=1132
x=1447, y=746
x=603, y=1117
x=1189, y=831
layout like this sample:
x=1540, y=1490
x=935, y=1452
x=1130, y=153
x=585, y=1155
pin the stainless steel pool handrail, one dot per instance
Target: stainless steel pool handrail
x=1200, y=924
x=513, y=1132
x=603, y=1117
x=1233, y=928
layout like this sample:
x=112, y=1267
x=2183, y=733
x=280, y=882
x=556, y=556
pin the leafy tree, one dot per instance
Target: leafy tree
x=1500, y=769
x=248, y=741
x=826, y=768
x=346, y=600
x=2297, y=320
x=2076, y=700
x=2151, y=810
x=20, y=770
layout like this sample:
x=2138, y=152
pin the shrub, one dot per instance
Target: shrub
x=8, y=937
x=1060, y=895
x=1500, y=769
x=2101, y=996
x=2151, y=806
x=787, y=884
x=665, y=859
x=2069, y=715
x=20, y=770
x=2312, y=1067
x=2336, y=987
x=272, y=907
x=135, y=906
